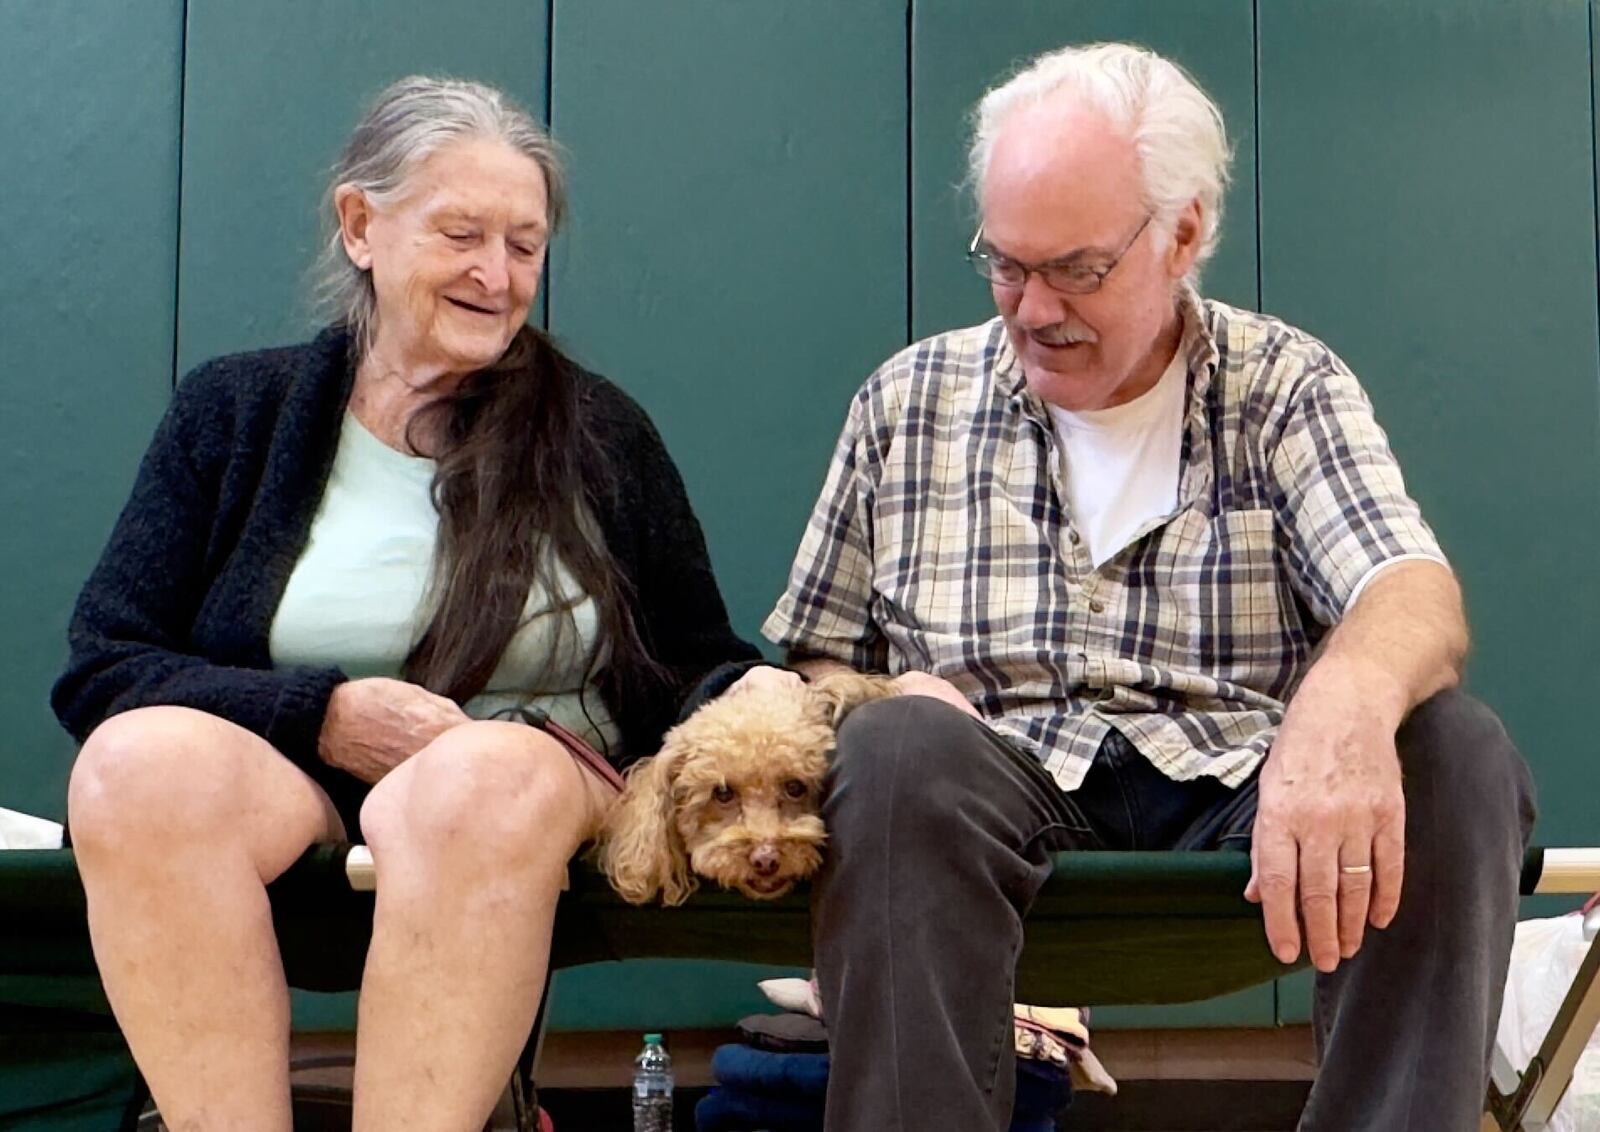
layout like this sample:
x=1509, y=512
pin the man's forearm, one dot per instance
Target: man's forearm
x=1404, y=640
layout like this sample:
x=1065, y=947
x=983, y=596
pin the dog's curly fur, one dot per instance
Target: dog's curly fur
x=733, y=794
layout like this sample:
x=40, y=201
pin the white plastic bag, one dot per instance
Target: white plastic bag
x=1544, y=959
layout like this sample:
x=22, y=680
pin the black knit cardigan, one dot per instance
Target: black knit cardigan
x=180, y=605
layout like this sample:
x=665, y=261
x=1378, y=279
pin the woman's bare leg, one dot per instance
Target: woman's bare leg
x=179, y=820
x=471, y=839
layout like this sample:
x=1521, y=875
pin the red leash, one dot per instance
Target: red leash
x=593, y=759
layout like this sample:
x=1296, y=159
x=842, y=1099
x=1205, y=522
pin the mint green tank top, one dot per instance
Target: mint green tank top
x=357, y=598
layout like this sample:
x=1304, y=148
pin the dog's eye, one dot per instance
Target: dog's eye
x=723, y=794
x=795, y=788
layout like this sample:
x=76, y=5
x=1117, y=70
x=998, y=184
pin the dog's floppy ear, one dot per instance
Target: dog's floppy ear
x=840, y=693
x=641, y=851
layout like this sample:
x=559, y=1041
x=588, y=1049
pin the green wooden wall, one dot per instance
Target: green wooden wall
x=766, y=204
x=90, y=110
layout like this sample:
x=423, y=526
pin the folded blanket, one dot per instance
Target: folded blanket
x=1035, y=1041
x=790, y=1076
x=729, y=1110
x=786, y=1093
x=1058, y=1034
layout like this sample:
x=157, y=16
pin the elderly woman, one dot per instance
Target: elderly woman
x=340, y=562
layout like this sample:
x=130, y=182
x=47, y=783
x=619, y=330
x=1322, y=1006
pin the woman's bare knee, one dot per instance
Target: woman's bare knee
x=481, y=788
x=154, y=776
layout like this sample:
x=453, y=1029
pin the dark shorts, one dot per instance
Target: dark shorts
x=347, y=792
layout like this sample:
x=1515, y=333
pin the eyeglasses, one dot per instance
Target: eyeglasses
x=1070, y=275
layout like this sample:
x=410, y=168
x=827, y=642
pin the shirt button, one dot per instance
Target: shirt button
x=1097, y=606
x=1073, y=538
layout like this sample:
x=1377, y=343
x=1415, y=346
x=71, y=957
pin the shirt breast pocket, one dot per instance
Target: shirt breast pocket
x=1224, y=577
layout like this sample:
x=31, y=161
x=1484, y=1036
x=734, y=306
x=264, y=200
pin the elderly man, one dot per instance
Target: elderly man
x=1155, y=558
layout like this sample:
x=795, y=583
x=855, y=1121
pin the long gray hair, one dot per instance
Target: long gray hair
x=515, y=448
x=406, y=124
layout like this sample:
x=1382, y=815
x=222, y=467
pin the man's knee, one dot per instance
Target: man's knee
x=1455, y=755
x=910, y=758
x=915, y=734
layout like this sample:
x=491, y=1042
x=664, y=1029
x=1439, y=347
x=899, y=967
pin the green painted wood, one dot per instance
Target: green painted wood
x=737, y=257
x=960, y=48
x=1427, y=209
x=1253, y=1007
x=322, y=1012
x=675, y=994
x=89, y=97
x=1294, y=998
x=57, y=1078
x=271, y=92
x=660, y=994
x=1447, y=252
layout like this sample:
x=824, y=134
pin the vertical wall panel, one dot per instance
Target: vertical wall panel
x=1427, y=208
x=270, y=95
x=737, y=261
x=737, y=253
x=89, y=126
x=960, y=48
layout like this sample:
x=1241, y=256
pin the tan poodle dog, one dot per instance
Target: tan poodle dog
x=734, y=793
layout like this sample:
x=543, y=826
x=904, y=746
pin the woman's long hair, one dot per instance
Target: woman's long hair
x=520, y=482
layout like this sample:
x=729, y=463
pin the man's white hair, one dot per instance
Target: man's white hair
x=1176, y=129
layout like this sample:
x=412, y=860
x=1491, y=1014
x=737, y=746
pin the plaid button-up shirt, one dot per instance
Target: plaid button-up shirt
x=942, y=542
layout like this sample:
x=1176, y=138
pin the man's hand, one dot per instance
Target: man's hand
x=934, y=687
x=1330, y=831
x=765, y=677
x=907, y=683
x=374, y=725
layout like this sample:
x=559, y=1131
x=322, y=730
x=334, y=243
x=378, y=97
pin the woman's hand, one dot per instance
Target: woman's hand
x=374, y=725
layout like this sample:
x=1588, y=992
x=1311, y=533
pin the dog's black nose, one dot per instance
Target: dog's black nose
x=764, y=860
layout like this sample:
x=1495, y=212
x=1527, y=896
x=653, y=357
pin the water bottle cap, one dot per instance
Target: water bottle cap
x=652, y=1039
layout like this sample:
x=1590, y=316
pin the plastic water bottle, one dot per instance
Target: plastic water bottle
x=652, y=1087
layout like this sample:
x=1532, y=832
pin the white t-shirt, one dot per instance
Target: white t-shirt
x=1120, y=465
x=357, y=598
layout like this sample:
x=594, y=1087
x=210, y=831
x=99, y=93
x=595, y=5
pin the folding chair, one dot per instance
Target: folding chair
x=1525, y=1101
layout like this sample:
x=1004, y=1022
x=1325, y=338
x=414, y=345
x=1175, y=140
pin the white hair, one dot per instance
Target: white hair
x=1176, y=129
x=408, y=122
